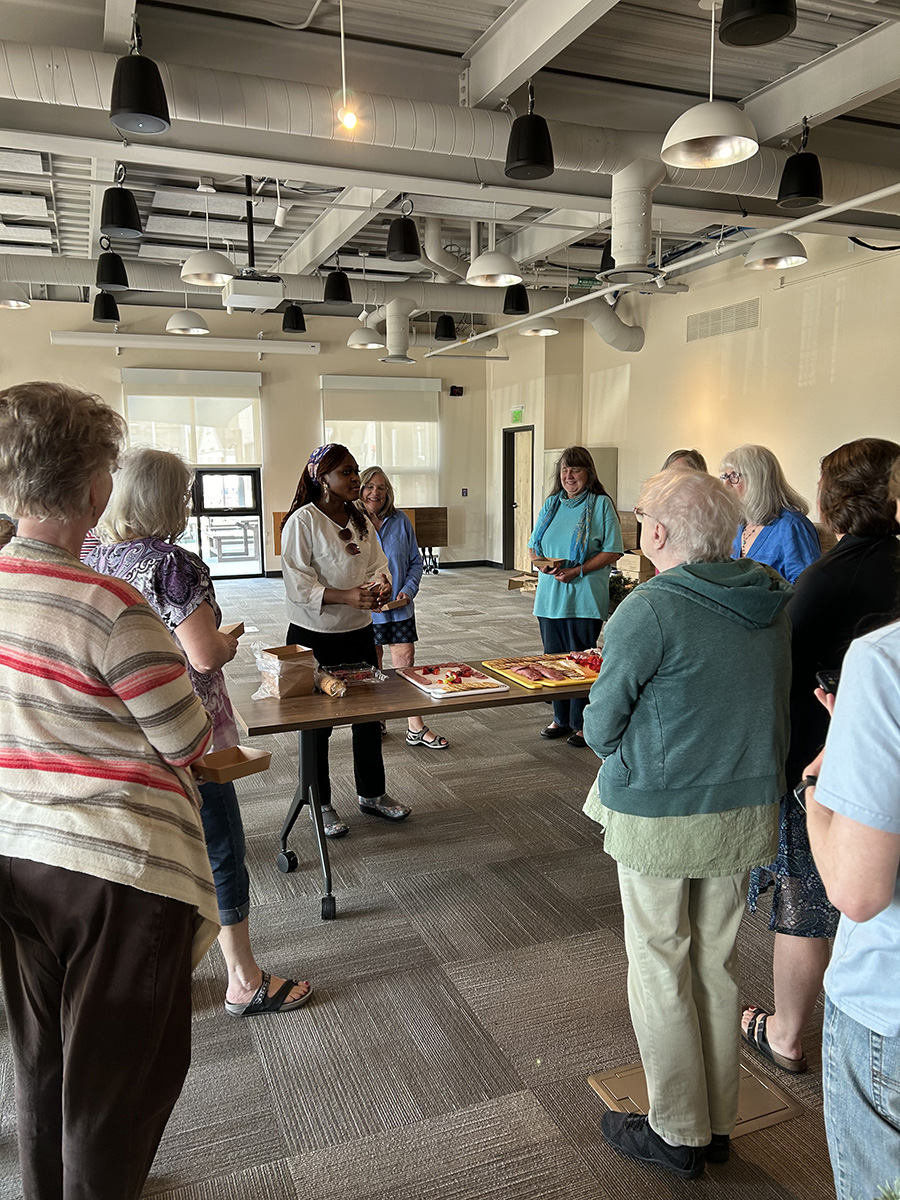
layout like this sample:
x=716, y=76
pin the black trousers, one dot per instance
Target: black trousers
x=332, y=649
x=97, y=978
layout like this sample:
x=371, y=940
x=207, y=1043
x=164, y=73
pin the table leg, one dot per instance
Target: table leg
x=308, y=793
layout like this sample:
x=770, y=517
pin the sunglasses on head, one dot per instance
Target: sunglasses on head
x=346, y=535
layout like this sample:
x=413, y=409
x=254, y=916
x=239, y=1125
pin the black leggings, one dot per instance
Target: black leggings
x=332, y=649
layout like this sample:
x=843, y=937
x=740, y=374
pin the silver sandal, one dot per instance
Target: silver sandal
x=418, y=739
x=382, y=806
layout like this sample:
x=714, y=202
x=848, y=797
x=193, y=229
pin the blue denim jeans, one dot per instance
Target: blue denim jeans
x=559, y=635
x=224, y=832
x=861, y=1087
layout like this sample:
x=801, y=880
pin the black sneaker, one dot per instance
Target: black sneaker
x=630, y=1134
x=719, y=1148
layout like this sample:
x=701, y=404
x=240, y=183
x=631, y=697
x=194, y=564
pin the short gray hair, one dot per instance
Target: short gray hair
x=150, y=498
x=701, y=514
x=54, y=440
x=766, y=491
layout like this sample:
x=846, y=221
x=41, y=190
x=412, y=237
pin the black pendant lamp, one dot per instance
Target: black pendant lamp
x=337, y=287
x=515, y=302
x=111, y=274
x=138, y=99
x=119, y=216
x=445, y=329
x=529, y=152
x=403, y=243
x=756, y=22
x=293, y=320
x=106, y=311
x=801, y=179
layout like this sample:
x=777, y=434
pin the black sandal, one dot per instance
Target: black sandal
x=262, y=1004
x=757, y=1039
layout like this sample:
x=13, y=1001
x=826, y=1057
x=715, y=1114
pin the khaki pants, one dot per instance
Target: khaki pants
x=683, y=992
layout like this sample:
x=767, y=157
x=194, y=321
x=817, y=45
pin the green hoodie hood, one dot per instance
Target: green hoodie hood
x=744, y=591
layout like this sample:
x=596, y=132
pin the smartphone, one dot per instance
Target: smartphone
x=828, y=681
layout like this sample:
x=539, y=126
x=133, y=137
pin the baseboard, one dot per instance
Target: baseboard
x=475, y=562
x=274, y=574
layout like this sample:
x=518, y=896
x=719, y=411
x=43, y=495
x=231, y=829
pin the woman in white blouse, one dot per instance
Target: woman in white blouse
x=335, y=574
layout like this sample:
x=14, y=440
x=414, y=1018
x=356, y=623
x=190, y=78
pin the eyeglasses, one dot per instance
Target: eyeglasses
x=641, y=515
x=346, y=536
x=731, y=477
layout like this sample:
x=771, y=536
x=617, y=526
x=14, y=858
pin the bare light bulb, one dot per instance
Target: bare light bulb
x=347, y=117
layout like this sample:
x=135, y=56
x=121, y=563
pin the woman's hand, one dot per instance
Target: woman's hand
x=567, y=574
x=364, y=597
x=403, y=596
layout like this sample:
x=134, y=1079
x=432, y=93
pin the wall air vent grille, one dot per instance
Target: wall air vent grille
x=718, y=321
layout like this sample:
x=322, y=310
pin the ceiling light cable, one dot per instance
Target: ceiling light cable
x=346, y=115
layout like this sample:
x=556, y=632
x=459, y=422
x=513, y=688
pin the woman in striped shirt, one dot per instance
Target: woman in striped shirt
x=106, y=895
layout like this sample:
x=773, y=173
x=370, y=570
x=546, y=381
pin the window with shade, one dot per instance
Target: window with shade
x=394, y=424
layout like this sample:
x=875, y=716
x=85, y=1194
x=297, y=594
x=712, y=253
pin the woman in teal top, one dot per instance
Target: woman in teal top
x=578, y=524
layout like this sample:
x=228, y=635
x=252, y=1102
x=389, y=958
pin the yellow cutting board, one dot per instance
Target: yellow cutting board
x=547, y=660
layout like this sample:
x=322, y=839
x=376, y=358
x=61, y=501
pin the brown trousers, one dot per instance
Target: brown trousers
x=97, y=983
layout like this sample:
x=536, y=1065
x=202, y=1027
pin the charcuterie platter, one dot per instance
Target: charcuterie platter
x=450, y=679
x=548, y=670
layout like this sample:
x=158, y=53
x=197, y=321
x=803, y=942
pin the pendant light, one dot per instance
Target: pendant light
x=403, y=243
x=515, y=302
x=540, y=327
x=111, y=273
x=493, y=268
x=186, y=322
x=776, y=253
x=346, y=115
x=713, y=134
x=119, y=216
x=529, y=152
x=208, y=268
x=281, y=211
x=801, y=179
x=445, y=329
x=293, y=320
x=106, y=311
x=13, y=296
x=366, y=338
x=337, y=286
x=756, y=22
x=138, y=100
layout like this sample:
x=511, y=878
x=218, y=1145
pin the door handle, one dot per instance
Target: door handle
x=514, y=504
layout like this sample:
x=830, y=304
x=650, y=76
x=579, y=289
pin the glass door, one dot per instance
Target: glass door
x=226, y=526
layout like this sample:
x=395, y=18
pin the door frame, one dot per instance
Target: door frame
x=198, y=510
x=507, y=492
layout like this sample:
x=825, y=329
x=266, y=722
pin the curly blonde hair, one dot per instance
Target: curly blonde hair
x=150, y=498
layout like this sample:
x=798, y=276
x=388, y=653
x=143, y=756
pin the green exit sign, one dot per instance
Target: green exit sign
x=517, y=414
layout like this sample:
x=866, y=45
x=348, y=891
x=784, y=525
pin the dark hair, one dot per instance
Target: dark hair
x=577, y=456
x=309, y=490
x=894, y=482
x=691, y=458
x=854, y=493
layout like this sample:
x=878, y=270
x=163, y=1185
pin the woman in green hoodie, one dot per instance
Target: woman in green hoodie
x=690, y=718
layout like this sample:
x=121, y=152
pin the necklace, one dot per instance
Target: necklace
x=748, y=537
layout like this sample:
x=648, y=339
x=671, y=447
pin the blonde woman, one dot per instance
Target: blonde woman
x=397, y=627
x=775, y=528
x=148, y=512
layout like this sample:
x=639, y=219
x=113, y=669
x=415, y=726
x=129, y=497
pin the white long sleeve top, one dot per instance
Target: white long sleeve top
x=314, y=558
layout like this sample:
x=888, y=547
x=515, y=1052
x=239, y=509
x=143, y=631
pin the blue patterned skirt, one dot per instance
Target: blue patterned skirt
x=800, y=906
x=393, y=633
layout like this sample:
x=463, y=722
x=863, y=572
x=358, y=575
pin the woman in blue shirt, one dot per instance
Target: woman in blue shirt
x=397, y=627
x=776, y=529
x=577, y=524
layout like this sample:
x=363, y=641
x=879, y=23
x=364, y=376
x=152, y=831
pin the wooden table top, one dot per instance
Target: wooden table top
x=397, y=697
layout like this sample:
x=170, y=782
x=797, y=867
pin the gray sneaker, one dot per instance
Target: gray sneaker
x=383, y=806
x=334, y=826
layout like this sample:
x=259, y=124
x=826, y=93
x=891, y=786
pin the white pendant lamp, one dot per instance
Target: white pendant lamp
x=776, y=253
x=186, y=322
x=493, y=268
x=13, y=296
x=540, y=327
x=713, y=134
x=365, y=339
x=208, y=268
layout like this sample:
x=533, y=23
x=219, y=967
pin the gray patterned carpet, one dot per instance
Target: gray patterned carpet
x=473, y=979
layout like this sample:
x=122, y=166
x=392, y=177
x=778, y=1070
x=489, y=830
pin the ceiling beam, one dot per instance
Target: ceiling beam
x=535, y=242
x=523, y=39
x=117, y=17
x=332, y=229
x=851, y=75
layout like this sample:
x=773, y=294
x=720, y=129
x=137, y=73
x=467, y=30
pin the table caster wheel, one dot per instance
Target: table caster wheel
x=329, y=908
x=287, y=862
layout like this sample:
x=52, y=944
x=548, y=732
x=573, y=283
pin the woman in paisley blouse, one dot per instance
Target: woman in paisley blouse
x=148, y=511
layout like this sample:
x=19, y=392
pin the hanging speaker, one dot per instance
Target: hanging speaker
x=337, y=288
x=515, y=302
x=756, y=22
x=138, y=101
x=801, y=182
x=529, y=152
x=119, y=216
x=403, y=240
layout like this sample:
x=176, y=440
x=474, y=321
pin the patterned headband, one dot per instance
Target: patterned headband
x=316, y=457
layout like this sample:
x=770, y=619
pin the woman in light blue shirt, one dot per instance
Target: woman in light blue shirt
x=397, y=627
x=577, y=524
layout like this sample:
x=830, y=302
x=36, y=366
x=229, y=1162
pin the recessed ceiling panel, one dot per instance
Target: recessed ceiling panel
x=195, y=229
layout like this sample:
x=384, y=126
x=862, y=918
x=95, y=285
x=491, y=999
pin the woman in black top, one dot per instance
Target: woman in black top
x=847, y=592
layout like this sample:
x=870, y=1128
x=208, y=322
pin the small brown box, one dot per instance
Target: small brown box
x=291, y=673
x=635, y=566
x=235, y=629
x=538, y=564
x=525, y=583
x=223, y=766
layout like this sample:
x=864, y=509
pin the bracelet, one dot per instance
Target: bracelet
x=581, y=572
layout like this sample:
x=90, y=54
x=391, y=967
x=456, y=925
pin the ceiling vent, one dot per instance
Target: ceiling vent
x=733, y=318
